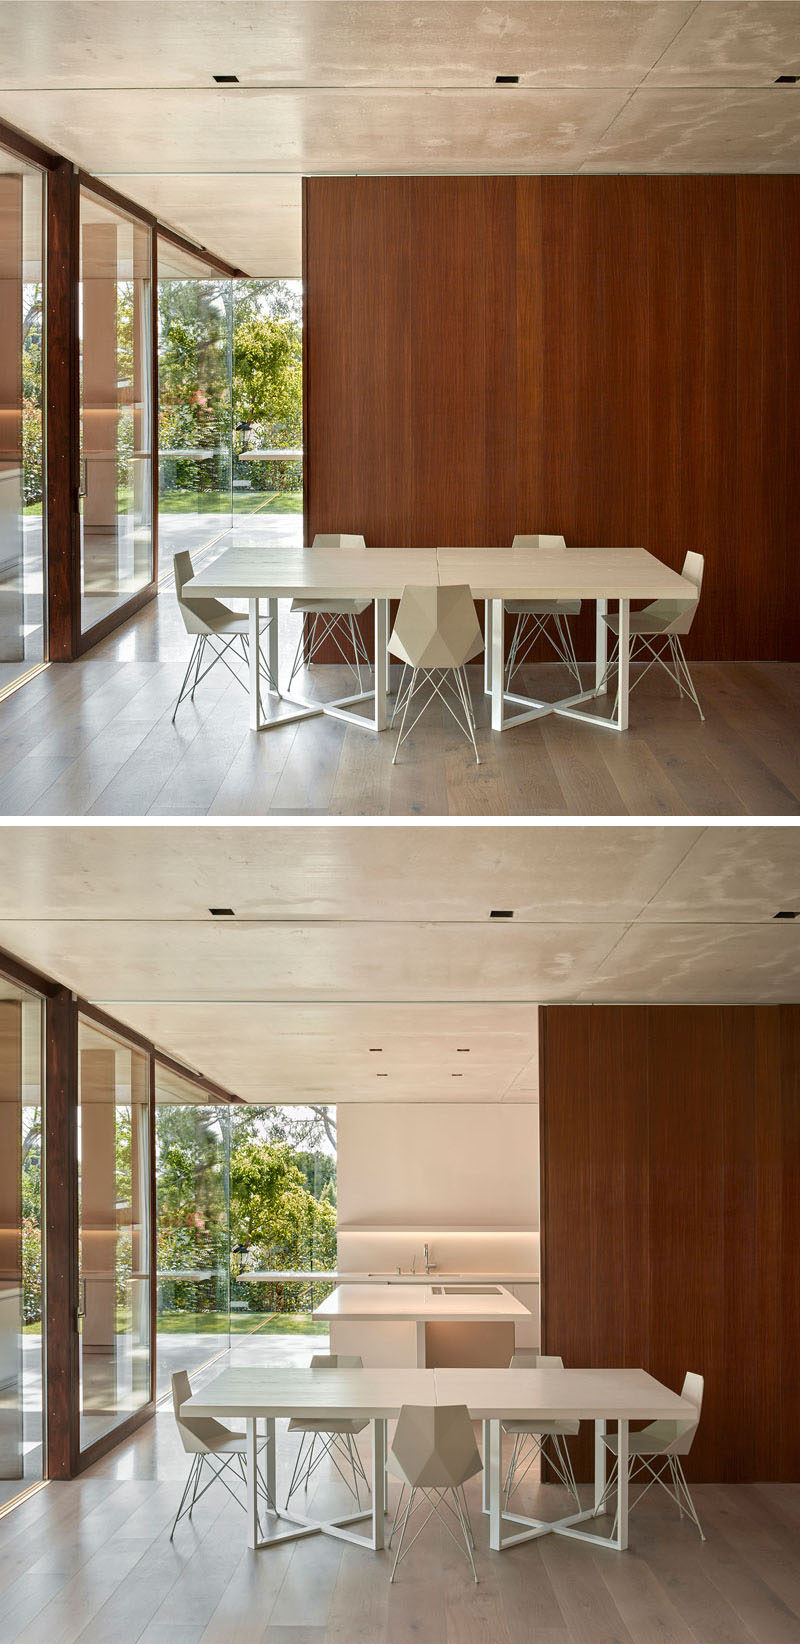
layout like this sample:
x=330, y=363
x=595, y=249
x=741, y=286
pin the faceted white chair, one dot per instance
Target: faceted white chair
x=433, y=1454
x=436, y=632
x=211, y=1445
x=657, y=632
x=531, y=1437
x=214, y=626
x=655, y=1454
x=330, y=1436
x=548, y=617
x=333, y=619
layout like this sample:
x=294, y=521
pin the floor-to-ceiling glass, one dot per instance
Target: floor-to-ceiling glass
x=21, y=1259
x=193, y=1226
x=114, y=1231
x=194, y=405
x=22, y=558
x=116, y=356
x=268, y=410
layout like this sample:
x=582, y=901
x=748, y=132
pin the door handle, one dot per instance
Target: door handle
x=84, y=480
x=82, y=1302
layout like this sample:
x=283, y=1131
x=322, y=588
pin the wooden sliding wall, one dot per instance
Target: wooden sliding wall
x=671, y=1213
x=613, y=358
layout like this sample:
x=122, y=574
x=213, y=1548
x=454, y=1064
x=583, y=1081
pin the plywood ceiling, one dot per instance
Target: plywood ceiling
x=362, y=963
x=327, y=86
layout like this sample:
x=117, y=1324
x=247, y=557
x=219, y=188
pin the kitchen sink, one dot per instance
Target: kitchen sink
x=465, y=1290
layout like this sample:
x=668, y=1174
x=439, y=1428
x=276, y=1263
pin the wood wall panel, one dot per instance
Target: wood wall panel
x=671, y=1213
x=617, y=358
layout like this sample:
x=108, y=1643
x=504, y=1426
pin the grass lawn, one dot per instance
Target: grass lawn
x=242, y=1324
x=211, y=502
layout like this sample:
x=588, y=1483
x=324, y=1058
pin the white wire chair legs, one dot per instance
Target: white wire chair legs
x=671, y=657
x=450, y=1507
x=527, y=1448
x=345, y=634
x=343, y=1452
x=555, y=628
x=452, y=689
x=217, y=1464
x=664, y=1469
x=220, y=646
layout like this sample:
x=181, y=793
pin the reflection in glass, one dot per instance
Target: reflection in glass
x=194, y=404
x=114, y=1242
x=21, y=1275
x=192, y=1220
x=115, y=322
x=22, y=604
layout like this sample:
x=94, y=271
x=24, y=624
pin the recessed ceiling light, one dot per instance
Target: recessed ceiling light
x=456, y=1076
x=227, y=79
x=787, y=79
x=501, y=913
x=222, y=913
x=462, y=1050
x=506, y=79
x=787, y=913
x=381, y=1076
x=376, y=1050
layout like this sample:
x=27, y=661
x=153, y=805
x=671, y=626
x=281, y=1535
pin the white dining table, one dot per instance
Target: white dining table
x=491, y=1396
x=263, y=575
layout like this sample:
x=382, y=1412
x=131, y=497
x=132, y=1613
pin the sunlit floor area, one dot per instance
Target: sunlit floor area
x=91, y=1561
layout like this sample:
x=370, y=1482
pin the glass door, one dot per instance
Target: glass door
x=21, y=1265
x=22, y=579
x=116, y=351
x=114, y=1274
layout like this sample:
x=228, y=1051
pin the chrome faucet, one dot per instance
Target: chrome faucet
x=427, y=1262
x=414, y=1262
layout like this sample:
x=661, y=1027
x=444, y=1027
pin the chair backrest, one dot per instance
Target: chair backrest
x=198, y=614
x=434, y=1445
x=337, y=1361
x=196, y=1432
x=684, y=1431
x=686, y=610
x=436, y=627
x=337, y=539
x=538, y=540
x=536, y=1361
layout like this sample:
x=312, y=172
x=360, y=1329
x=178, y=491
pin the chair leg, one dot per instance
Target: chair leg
x=406, y=1517
x=466, y=1527
x=185, y=680
x=191, y=1480
x=406, y=706
x=688, y=1503
x=688, y=681
x=397, y=1512
x=354, y=643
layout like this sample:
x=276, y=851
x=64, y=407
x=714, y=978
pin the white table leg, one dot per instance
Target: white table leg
x=498, y=668
x=495, y=1485
x=622, y=1487
x=487, y=1450
x=381, y=661
x=378, y=1470
x=487, y=647
x=624, y=662
x=386, y=1467
x=272, y=1501
x=601, y=649
x=255, y=665
x=272, y=642
x=600, y=1454
x=252, y=1473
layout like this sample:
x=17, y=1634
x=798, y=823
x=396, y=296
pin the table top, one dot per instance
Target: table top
x=272, y=571
x=490, y=1395
x=393, y=1303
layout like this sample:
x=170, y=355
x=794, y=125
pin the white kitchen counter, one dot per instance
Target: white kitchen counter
x=387, y=1323
x=295, y=1276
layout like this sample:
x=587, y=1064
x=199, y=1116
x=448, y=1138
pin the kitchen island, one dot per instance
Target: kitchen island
x=435, y=1323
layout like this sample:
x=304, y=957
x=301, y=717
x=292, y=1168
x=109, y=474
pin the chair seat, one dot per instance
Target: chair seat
x=328, y=1424
x=435, y=1474
x=542, y=607
x=658, y=618
x=653, y=1440
x=330, y=607
x=543, y=1429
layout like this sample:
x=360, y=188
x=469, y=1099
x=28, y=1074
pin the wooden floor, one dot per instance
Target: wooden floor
x=94, y=738
x=91, y=1561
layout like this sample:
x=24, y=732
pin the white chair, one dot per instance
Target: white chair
x=663, y=1443
x=433, y=1454
x=211, y=1445
x=436, y=632
x=530, y=1437
x=215, y=626
x=546, y=617
x=330, y=1436
x=333, y=619
x=662, y=624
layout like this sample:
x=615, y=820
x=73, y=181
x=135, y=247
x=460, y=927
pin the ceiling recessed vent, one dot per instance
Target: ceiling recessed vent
x=462, y=1050
x=226, y=79
x=222, y=913
x=787, y=913
x=506, y=79
x=376, y=1050
x=501, y=913
x=456, y=1076
x=381, y=1076
x=787, y=79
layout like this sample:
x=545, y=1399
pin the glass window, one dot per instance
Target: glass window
x=114, y=1231
x=22, y=578
x=21, y=1263
x=193, y=1235
x=194, y=405
x=115, y=325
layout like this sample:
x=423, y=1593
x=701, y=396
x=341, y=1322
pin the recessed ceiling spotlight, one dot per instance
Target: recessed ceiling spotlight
x=501, y=913
x=456, y=1076
x=462, y=1050
x=787, y=79
x=506, y=79
x=226, y=79
x=787, y=913
x=381, y=1076
x=376, y=1050
x=222, y=913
